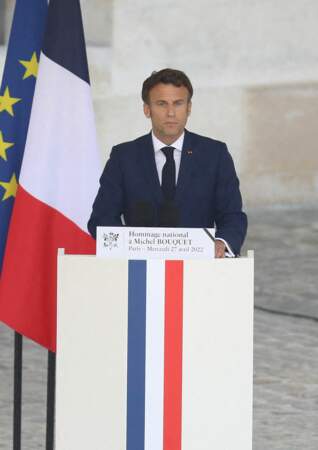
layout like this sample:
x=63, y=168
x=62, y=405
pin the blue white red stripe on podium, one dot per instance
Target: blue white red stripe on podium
x=154, y=369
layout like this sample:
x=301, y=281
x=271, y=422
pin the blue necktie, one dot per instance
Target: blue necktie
x=168, y=182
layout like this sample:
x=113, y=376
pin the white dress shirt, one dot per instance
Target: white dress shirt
x=160, y=157
x=161, y=160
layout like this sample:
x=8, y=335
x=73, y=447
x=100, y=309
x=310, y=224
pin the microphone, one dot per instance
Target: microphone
x=142, y=215
x=169, y=215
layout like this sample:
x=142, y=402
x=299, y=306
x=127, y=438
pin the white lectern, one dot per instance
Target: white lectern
x=154, y=355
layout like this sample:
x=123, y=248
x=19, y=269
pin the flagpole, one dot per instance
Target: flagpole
x=50, y=405
x=17, y=406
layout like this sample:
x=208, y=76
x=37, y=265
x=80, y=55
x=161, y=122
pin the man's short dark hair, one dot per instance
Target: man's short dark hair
x=166, y=76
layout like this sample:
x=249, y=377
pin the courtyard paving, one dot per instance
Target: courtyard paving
x=285, y=341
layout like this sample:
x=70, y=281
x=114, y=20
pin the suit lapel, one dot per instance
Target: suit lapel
x=149, y=168
x=186, y=165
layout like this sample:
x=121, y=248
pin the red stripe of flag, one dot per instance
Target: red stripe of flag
x=28, y=279
x=173, y=356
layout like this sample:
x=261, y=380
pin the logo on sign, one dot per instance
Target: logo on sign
x=110, y=240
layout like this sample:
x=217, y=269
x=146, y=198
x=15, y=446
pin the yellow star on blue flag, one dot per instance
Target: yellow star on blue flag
x=7, y=102
x=4, y=146
x=31, y=66
x=10, y=187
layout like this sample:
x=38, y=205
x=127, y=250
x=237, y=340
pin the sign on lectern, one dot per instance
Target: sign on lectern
x=155, y=243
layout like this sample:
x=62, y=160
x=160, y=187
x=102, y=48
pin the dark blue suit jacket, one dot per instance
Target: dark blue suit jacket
x=207, y=192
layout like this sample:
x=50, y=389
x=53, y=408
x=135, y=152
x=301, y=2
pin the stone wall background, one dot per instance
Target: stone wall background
x=253, y=64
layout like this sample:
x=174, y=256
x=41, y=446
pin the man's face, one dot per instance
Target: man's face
x=168, y=109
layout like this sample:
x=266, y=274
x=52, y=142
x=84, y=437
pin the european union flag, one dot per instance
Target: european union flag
x=16, y=95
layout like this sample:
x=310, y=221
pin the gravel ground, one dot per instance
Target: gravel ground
x=285, y=341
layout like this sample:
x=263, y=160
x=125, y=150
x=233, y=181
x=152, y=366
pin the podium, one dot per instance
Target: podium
x=154, y=355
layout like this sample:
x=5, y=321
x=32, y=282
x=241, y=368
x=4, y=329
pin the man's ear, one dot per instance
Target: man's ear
x=189, y=107
x=147, y=110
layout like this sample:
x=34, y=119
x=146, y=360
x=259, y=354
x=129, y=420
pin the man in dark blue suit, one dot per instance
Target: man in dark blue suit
x=172, y=177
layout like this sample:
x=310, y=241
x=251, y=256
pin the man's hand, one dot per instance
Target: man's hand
x=219, y=249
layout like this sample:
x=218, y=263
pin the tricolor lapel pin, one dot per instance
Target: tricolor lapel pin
x=189, y=152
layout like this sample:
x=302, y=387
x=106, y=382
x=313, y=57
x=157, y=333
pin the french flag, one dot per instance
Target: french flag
x=58, y=179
